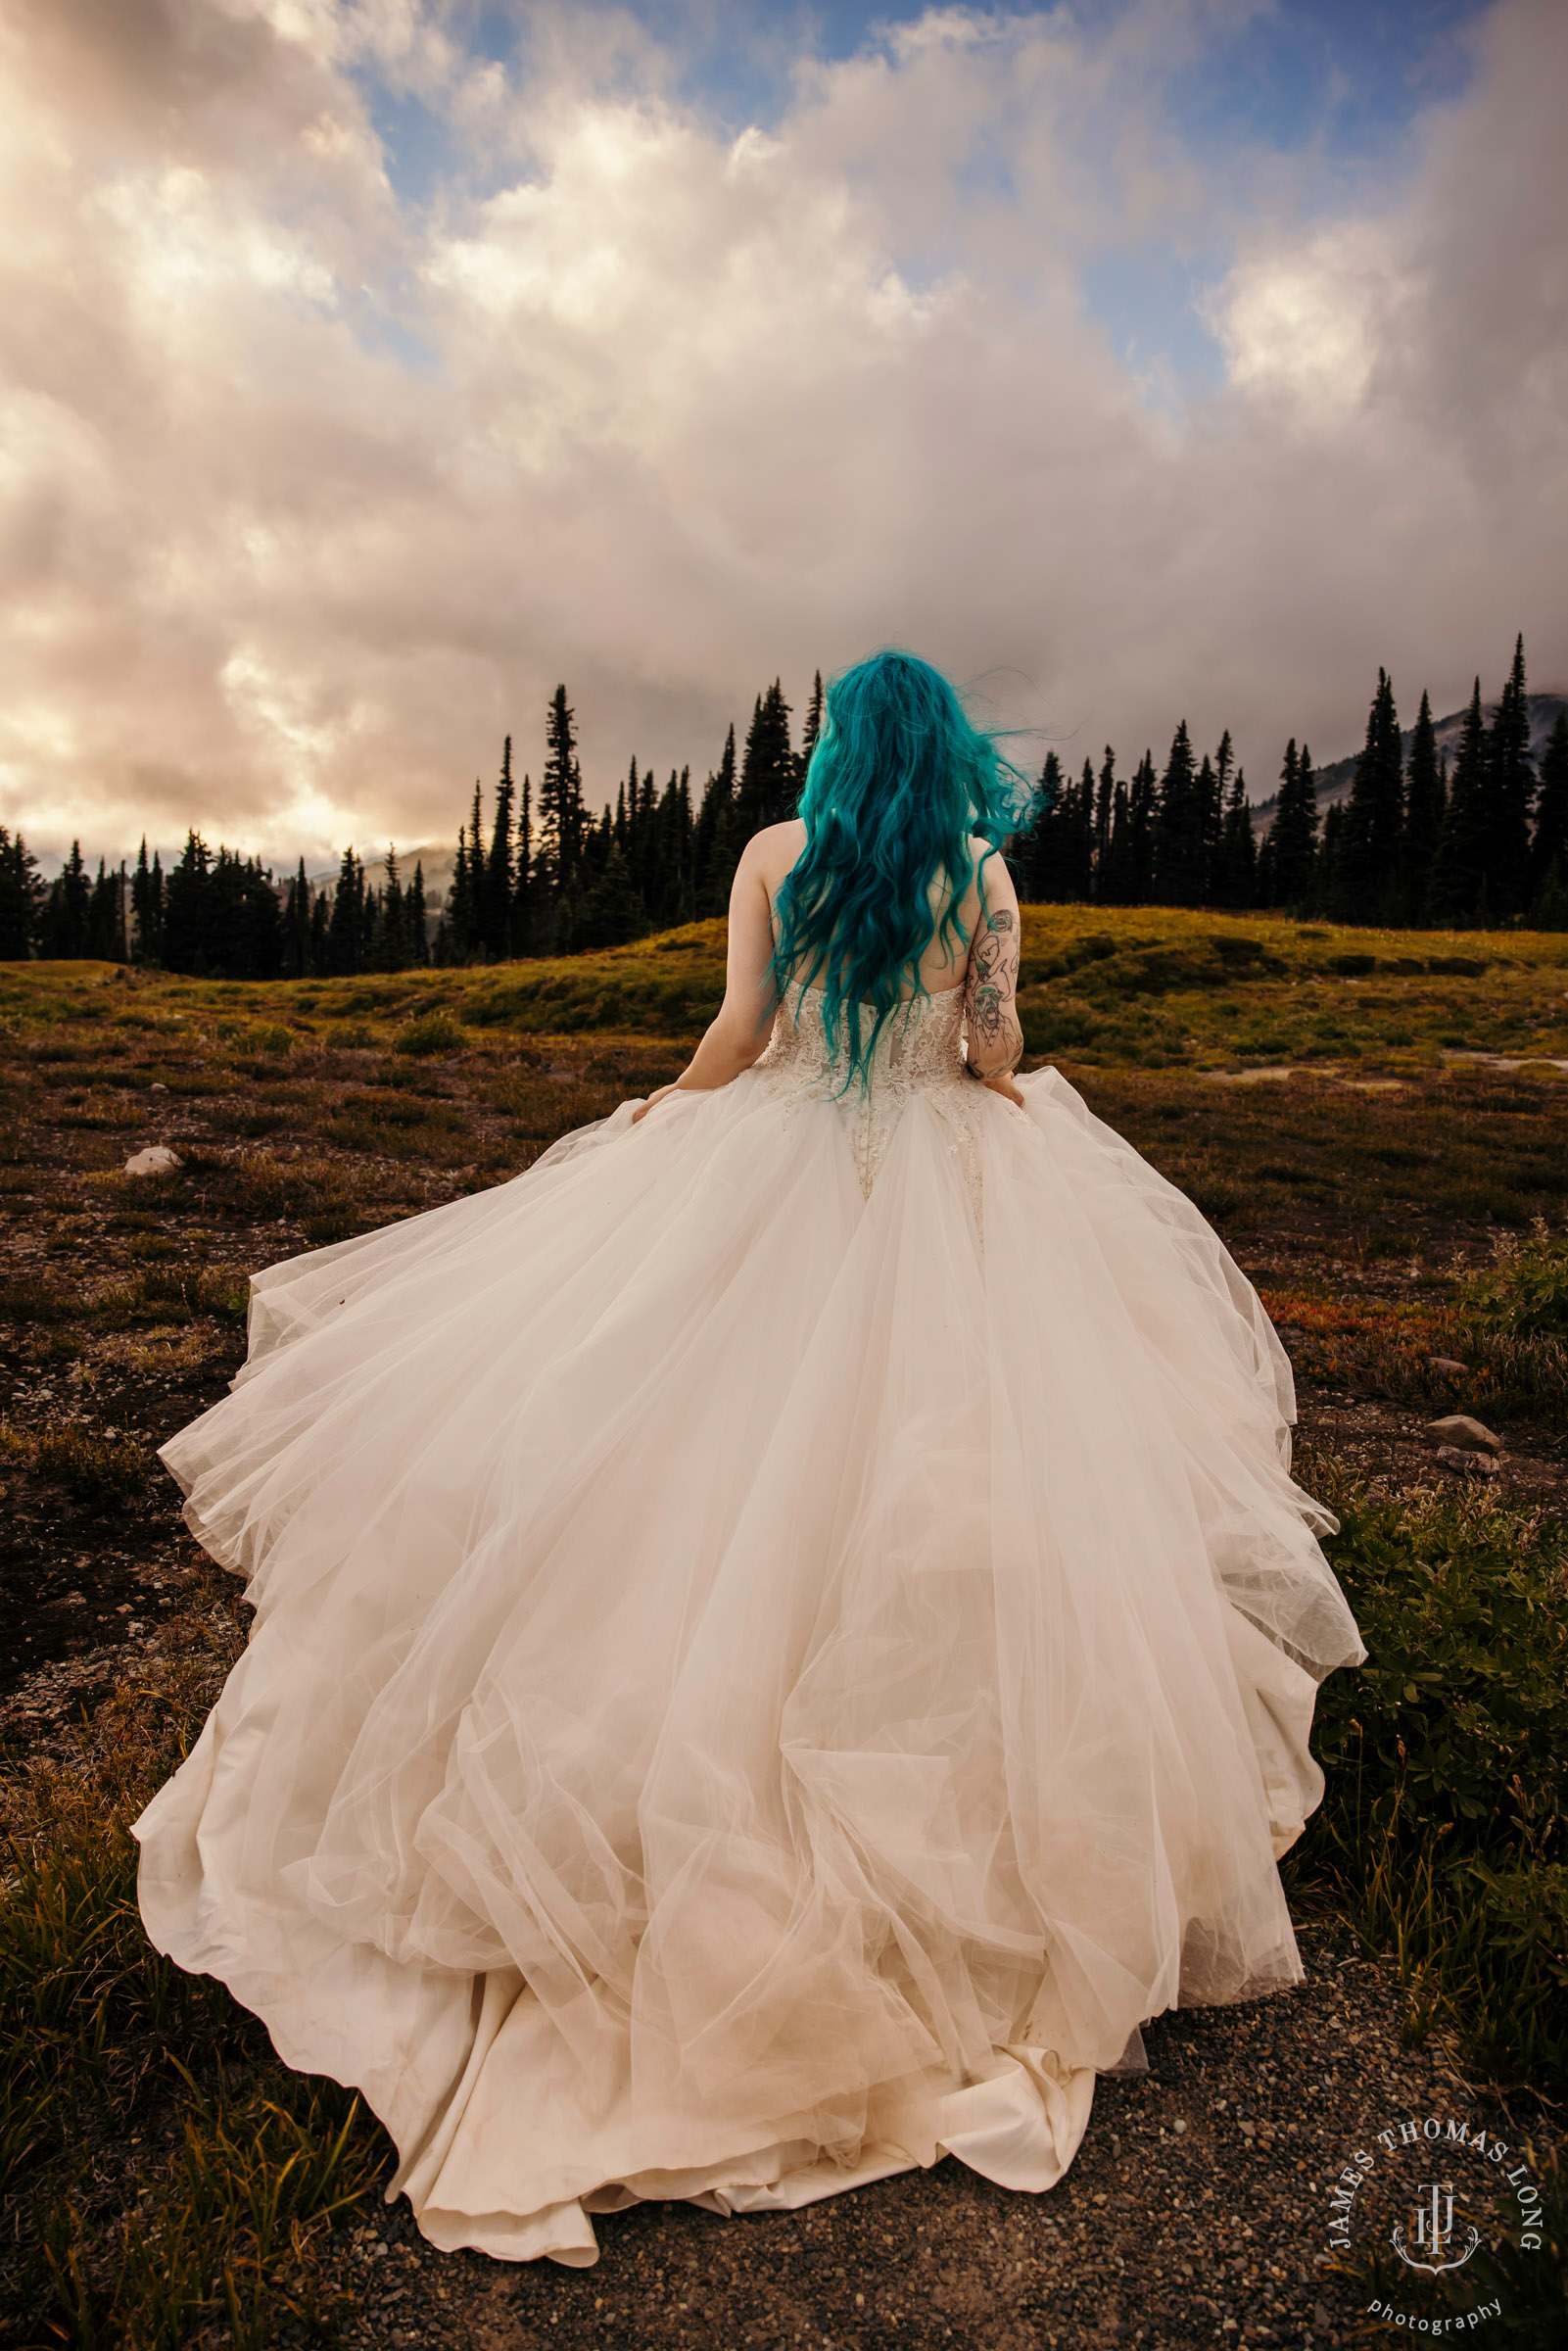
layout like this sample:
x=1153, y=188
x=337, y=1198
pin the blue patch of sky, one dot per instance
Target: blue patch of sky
x=1343, y=77
x=1334, y=83
x=1148, y=299
x=416, y=146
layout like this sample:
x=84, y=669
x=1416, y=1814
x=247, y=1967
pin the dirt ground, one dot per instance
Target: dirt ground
x=1195, y=2211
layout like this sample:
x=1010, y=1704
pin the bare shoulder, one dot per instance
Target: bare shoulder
x=994, y=885
x=775, y=849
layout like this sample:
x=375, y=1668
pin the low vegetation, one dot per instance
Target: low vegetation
x=1373, y=1120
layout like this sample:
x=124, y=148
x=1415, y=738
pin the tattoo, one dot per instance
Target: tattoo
x=993, y=977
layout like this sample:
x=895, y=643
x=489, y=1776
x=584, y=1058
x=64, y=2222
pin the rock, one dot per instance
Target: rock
x=158, y=1086
x=1445, y=1363
x=155, y=1160
x=1468, y=1464
x=1467, y=1434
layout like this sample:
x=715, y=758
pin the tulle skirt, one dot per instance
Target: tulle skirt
x=757, y=1682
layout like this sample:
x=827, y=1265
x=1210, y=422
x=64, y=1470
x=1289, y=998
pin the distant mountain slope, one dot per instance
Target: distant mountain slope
x=1334, y=782
x=438, y=858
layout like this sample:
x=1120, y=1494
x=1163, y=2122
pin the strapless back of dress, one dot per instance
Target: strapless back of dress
x=920, y=1049
x=783, y=1635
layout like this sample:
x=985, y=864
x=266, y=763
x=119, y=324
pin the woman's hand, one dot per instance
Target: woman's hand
x=1002, y=1083
x=643, y=1108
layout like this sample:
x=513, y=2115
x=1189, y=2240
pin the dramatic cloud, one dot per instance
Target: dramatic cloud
x=313, y=482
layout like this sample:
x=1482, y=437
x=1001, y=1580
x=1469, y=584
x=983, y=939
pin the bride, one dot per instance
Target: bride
x=784, y=1633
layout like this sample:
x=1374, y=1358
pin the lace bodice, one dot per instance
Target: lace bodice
x=919, y=1051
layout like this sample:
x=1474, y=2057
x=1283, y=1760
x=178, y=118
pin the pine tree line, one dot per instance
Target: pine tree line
x=1411, y=844
x=549, y=878
x=214, y=914
x=1181, y=839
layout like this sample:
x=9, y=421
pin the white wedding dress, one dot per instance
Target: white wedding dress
x=783, y=1634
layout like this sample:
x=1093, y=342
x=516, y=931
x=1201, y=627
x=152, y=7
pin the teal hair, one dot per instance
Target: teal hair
x=900, y=781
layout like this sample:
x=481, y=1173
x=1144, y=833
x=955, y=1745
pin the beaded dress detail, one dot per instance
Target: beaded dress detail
x=920, y=1049
x=751, y=1690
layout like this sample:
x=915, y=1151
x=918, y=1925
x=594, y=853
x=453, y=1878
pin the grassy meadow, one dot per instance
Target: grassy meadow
x=1376, y=1121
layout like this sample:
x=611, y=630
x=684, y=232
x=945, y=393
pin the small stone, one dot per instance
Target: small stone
x=158, y=1086
x=1468, y=1464
x=1468, y=1435
x=155, y=1160
x=1179, y=2125
x=1445, y=1363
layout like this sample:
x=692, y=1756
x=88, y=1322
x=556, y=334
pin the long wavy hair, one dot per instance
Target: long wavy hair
x=900, y=781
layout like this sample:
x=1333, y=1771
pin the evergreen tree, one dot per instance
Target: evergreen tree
x=612, y=909
x=105, y=917
x=1236, y=860
x=1114, y=880
x=561, y=820
x=189, y=942
x=669, y=895
x=1325, y=896
x=1549, y=850
x=813, y=725
x=417, y=944
x=1143, y=809
x=1511, y=786
x=1213, y=784
x=321, y=935
x=1293, y=834
x=346, y=939
x=500, y=876
x=1054, y=857
x=147, y=907
x=20, y=895
x=523, y=893
x=297, y=927
x=1459, y=868
x=1181, y=846
x=1366, y=881
x=67, y=924
x=237, y=919
x=770, y=777
x=1103, y=809
x=715, y=850
x=389, y=939
x=1423, y=814
x=456, y=939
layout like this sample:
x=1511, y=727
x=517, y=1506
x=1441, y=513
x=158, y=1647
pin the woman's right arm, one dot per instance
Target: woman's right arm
x=990, y=1006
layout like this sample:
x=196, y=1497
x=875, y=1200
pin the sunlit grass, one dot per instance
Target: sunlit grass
x=175, y=2182
x=224, y=2170
x=1442, y=1834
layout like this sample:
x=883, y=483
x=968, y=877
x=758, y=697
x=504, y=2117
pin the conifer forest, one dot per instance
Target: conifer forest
x=1480, y=840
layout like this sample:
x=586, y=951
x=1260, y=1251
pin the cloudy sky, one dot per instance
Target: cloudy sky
x=368, y=365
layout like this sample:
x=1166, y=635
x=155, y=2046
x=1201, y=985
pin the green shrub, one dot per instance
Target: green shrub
x=244, y=2164
x=34, y=1298
x=171, y=1293
x=1447, y=1755
x=95, y=1468
x=433, y=1035
x=1525, y=1292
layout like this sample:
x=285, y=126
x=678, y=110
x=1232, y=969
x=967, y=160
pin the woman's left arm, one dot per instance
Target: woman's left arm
x=739, y=1031
x=990, y=1008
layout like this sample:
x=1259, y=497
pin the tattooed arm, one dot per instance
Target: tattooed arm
x=995, y=1039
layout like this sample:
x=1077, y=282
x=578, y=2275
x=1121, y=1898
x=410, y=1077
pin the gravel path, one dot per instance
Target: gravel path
x=1193, y=2214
